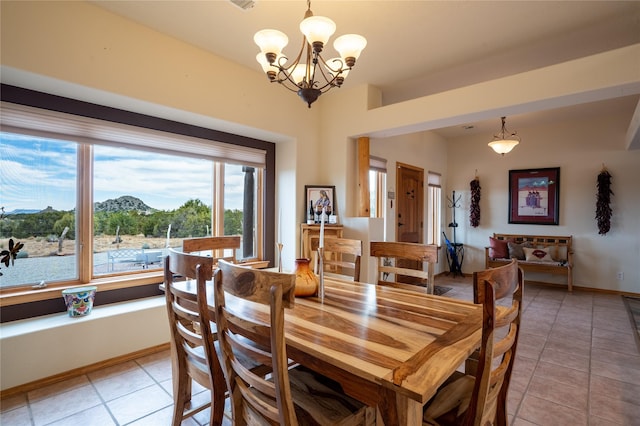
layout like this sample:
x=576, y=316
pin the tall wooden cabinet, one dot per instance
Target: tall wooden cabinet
x=308, y=231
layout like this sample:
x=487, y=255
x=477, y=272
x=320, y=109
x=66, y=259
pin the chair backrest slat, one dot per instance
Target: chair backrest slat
x=341, y=256
x=396, y=264
x=222, y=247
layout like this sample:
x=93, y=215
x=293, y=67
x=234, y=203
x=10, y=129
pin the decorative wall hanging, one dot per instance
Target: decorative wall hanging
x=534, y=196
x=474, y=213
x=603, y=205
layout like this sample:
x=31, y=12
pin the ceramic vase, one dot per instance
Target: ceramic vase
x=306, y=280
x=79, y=300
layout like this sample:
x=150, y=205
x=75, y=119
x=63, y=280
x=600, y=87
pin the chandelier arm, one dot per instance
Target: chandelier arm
x=286, y=72
x=340, y=60
x=329, y=82
x=310, y=71
x=283, y=82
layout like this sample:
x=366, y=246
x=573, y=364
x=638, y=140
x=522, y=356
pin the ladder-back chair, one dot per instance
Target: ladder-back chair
x=260, y=319
x=223, y=247
x=480, y=398
x=389, y=264
x=341, y=256
x=193, y=354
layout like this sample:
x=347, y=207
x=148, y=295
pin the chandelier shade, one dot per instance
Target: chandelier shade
x=309, y=75
x=504, y=141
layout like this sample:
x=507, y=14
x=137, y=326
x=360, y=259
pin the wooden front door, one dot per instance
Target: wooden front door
x=410, y=205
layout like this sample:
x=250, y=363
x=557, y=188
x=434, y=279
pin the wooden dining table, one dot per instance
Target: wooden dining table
x=387, y=347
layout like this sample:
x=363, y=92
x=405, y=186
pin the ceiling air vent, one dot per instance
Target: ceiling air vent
x=244, y=4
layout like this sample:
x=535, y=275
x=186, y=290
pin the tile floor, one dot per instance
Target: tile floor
x=577, y=364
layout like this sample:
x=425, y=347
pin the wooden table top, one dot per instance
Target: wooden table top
x=380, y=342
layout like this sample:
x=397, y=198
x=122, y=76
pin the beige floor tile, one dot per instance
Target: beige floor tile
x=17, y=417
x=159, y=370
x=623, y=335
x=514, y=398
x=598, y=421
x=578, y=362
x=569, y=345
x=522, y=372
x=614, y=410
x=93, y=416
x=557, y=373
x=521, y=422
x=61, y=405
x=139, y=404
x=57, y=388
x=162, y=417
x=615, y=371
x=629, y=348
x=113, y=370
x=130, y=381
x=543, y=412
x=616, y=357
x=623, y=391
x=571, y=335
x=560, y=393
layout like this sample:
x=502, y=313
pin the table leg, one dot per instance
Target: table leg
x=397, y=409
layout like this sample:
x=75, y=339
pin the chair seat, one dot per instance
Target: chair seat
x=450, y=404
x=319, y=400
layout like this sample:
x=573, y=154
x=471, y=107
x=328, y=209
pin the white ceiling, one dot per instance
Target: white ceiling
x=416, y=48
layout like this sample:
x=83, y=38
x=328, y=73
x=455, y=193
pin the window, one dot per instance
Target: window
x=144, y=202
x=100, y=201
x=434, y=201
x=377, y=186
x=39, y=181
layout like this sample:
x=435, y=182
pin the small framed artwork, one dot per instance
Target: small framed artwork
x=318, y=197
x=534, y=196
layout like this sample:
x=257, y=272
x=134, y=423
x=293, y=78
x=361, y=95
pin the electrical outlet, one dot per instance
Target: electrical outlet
x=620, y=276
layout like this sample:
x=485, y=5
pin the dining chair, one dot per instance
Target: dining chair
x=193, y=354
x=401, y=264
x=216, y=247
x=479, y=397
x=341, y=256
x=250, y=305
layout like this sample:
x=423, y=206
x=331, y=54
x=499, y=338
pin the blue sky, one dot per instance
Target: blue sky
x=36, y=173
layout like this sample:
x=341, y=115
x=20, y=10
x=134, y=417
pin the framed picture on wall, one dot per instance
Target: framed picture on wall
x=534, y=196
x=319, y=197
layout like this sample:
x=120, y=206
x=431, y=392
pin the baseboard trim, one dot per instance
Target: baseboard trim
x=27, y=387
x=581, y=288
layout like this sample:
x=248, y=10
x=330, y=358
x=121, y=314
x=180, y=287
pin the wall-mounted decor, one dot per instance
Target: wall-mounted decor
x=534, y=196
x=318, y=197
x=474, y=210
x=603, y=203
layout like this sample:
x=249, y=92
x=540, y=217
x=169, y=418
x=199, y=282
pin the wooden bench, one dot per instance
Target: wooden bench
x=559, y=248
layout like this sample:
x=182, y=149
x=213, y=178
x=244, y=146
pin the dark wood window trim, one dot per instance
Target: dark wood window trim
x=28, y=97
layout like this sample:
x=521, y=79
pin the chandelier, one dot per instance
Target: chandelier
x=309, y=74
x=504, y=141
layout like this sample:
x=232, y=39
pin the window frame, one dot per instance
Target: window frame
x=378, y=166
x=19, y=303
x=434, y=212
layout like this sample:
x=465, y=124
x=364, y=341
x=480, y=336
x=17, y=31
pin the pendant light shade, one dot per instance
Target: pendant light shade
x=504, y=141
